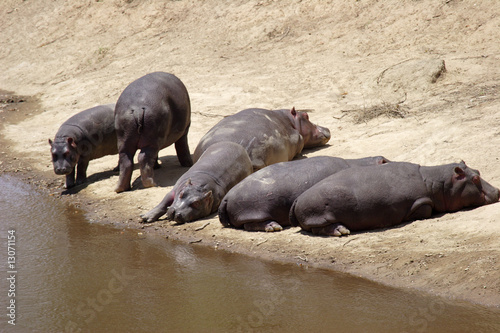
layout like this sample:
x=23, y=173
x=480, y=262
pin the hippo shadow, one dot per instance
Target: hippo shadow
x=379, y=230
x=314, y=149
x=91, y=179
x=166, y=175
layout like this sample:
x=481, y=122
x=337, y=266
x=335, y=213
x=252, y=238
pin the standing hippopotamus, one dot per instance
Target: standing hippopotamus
x=377, y=197
x=87, y=135
x=262, y=201
x=269, y=136
x=200, y=190
x=153, y=112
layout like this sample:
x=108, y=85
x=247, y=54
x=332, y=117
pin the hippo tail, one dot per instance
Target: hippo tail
x=223, y=216
x=291, y=215
x=139, y=118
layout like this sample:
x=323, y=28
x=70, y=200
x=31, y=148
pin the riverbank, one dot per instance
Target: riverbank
x=376, y=81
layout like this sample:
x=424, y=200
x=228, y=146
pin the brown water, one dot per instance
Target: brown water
x=74, y=276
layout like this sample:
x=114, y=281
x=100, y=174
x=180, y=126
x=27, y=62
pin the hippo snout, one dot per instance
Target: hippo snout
x=492, y=196
x=62, y=171
x=325, y=132
x=176, y=216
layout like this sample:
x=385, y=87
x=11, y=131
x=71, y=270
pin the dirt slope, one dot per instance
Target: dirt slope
x=426, y=70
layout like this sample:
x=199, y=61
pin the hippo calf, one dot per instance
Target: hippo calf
x=87, y=135
x=200, y=190
x=152, y=113
x=377, y=197
x=269, y=136
x=262, y=201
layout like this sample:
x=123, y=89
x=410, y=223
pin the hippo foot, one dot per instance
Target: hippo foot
x=80, y=181
x=148, y=182
x=120, y=189
x=335, y=229
x=267, y=226
x=152, y=216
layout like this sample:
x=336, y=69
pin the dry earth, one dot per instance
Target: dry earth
x=371, y=71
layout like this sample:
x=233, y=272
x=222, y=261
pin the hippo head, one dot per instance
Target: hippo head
x=469, y=189
x=192, y=202
x=313, y=135
x=64, y=155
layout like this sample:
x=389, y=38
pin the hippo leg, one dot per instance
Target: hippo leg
x=421, y=209
x=70, y=179
x=334, y=229
x=126, y=165
x=81, y=171
x=157, y=165
x=268, y=226
x=182, y=149
x=155, y=213
x=147, y=159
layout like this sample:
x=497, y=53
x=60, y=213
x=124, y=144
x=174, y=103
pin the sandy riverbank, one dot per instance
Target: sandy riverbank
x=346, y=62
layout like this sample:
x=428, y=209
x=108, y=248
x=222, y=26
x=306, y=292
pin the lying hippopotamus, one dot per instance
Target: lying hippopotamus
x=153, y=112
x=377, y=197
x=87, y=135
x=200, y=190
x=262, y=201
x=269, y=136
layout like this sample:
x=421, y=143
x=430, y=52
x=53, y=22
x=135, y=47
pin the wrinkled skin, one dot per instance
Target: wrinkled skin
x=152, y=113
x=85, y=136
x=269, y=136
x=378, y=197
x=262, y=201
x=200, y=190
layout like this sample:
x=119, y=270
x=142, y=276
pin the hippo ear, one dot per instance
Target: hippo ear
x=293, y=112
x=459, y=173
x=71, y=142
x=50, y=142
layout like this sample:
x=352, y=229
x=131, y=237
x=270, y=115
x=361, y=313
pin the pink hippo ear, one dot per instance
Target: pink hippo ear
x=293, y=112
x=71, y=142
x=458, y=173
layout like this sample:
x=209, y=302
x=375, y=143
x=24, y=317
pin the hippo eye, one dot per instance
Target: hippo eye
x=476, y=180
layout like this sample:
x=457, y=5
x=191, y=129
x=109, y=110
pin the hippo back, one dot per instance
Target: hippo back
x=267, y=135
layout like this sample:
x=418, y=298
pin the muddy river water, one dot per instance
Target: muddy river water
x=65, y=274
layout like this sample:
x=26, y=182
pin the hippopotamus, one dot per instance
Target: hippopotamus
x=151, y=113
x=87, y=135
x=269, y=136
x=200, y=190
x=377, y=197
x=262, y=201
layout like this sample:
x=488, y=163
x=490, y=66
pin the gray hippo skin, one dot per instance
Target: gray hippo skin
x=200, y=190
x=377, y=197
x=269, y=136
x=85, y=136
x=262, y=201
x=152, y=113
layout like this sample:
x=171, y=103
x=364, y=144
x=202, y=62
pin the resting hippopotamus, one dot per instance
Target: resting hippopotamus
x=377, y=197
x=200, y=190
x=262, y=201
x=87, y=135
x=269, y=136
x=153, y=112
